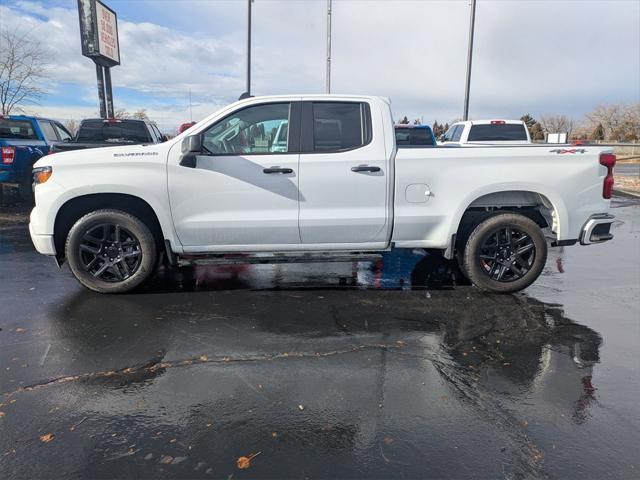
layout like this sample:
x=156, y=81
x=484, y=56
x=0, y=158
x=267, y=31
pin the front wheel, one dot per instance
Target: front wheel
x=505, y=253
x=110, y=251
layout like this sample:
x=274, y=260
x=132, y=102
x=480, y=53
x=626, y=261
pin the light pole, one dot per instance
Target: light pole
x=249, y=47
x=472, y=21
x=328, y=79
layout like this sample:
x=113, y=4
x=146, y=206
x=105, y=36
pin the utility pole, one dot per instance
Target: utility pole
x=472, y=21
x=328, y=79
x=249, y=47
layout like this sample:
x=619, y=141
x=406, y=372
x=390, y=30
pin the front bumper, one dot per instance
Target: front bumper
x=44, y=243
x=597, y=229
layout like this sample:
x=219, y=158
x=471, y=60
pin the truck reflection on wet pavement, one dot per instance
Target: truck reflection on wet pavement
x=391, y=368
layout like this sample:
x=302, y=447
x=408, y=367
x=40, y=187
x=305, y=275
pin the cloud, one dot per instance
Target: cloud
x=529, y=56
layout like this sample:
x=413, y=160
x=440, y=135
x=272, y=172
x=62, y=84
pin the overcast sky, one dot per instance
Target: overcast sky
x=535, y=56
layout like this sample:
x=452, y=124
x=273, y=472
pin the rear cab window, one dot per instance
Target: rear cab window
x=110, y=131
x=339, y=126
x=17, y=129
x=497, y=132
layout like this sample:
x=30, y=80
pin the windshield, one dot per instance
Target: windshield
x=104, y=131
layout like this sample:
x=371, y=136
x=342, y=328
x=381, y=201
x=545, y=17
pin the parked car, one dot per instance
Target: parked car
x=414, y=136
x=23, y=140
x=495, y=132
x=185, y=126
x=100, y=132
x=341, y=186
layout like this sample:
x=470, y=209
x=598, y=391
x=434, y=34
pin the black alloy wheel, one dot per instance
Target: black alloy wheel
x=507, y=254
x=110, y=252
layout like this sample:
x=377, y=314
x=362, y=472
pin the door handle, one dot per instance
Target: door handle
x=365, y=168
x=277, y=170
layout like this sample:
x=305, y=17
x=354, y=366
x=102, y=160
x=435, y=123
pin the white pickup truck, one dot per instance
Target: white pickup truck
x=337, y=186
x=495, y=132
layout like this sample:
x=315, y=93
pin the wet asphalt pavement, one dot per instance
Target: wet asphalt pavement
x=386, y=369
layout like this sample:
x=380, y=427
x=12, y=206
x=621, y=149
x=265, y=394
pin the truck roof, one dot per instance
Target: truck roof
x=495, y=121
x=26, y=117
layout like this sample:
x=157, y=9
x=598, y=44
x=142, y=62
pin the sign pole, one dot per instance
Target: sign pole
x=99, y=75
x=472, y=23
x=328, y=78
x=109, y=91
x=249, y=47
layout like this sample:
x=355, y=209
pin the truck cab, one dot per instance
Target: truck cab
x=491, y=132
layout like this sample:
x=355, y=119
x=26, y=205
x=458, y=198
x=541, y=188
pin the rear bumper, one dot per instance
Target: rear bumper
x=597, y=229
x=44, y=243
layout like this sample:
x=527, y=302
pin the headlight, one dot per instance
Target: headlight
x=41, y=174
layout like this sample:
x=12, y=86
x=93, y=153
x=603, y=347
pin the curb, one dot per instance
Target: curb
x=626, y=193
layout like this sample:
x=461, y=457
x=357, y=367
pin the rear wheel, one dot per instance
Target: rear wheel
x=505, y=253
x=111, y=251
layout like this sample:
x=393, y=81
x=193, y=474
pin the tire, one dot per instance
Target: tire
x=111, y=251
x=505, y=253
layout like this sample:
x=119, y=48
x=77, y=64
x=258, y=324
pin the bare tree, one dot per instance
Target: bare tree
x=71, y=125
x=557, y=124
x=23, y=65
x=121, y=113
x=140, y=114
x=619, y=122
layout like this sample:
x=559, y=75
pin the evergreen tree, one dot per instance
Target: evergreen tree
x=598, y=133
x=404, y=121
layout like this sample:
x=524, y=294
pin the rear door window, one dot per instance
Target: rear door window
x=340, y=126
x=414, y=137
x=457, y=133
x=17, y=129
x=48, y=131
x=497, y=132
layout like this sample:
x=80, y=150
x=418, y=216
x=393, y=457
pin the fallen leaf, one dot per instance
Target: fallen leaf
x=20, y=330
x=300, y=407
x=166, y=459
x=245, y=462
x=173, y=440
x=47, y=437
x=444, y=398
x=209, y=424
x=274, y=434
x=525, y=423
x=204, y=358
x=2, y=414
x=388, y=440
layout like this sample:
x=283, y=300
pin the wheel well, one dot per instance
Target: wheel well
x=530, y=204
x=77, y=207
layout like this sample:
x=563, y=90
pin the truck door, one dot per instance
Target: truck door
x=343, y=180
x=242, y=191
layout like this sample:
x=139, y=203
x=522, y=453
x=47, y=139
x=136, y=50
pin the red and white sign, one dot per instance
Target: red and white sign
x=107, y=33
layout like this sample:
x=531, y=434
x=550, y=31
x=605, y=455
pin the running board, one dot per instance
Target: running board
x=270, y=258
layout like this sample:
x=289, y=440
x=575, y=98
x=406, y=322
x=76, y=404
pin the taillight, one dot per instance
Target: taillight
x=608, y=160
x=498, y=122
x=8, y=154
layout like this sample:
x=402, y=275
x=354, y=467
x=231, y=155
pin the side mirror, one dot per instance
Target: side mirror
x=163, y=138
x=191, y=147
x=441, y=138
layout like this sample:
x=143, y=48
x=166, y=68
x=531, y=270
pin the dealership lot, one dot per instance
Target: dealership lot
x=331, y=370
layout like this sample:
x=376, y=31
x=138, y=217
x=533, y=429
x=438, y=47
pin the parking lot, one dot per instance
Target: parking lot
x=391, y=368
